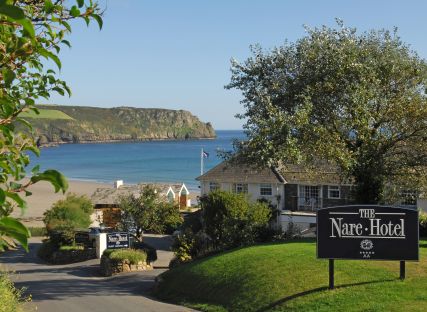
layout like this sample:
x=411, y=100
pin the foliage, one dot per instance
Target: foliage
x=134, y=256
x=30, y=31
x=149, y=250
x=148, y=212
x=66, y=216
x=231, y=220
x=11, y=298
x=288, y=277
x=183, y=247
x=423, y=224
x=46, y=250
x=37, y=231
x=354, y=101
x=71, y=247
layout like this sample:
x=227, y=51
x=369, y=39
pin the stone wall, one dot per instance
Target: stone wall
x=110, y=267
x=71, y=256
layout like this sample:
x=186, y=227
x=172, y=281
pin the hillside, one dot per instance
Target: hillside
x=78, y=124
x=288, y=277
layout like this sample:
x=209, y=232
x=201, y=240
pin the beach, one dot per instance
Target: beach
x=44, y=196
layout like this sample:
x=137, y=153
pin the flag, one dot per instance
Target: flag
x=205, y=154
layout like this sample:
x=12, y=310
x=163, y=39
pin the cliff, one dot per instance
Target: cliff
x=78, y=124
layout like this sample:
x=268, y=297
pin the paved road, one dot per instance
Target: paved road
x=79, y=287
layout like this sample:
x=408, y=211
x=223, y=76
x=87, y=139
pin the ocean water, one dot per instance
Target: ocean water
x=133, y=162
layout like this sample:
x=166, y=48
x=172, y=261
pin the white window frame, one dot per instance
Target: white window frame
x=408, y=198
x=213, y=186
x=334, y=188
x=266, y=189
x=309, y=196
x=240, y=188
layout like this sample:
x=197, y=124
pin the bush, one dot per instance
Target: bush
x=10, y=297
x=148, y=212
x=67, y=215
x=71, y=247
x=38, y=231
x=231, y=220
x=46, y=250
x=149, y=250
x=423, y=224
x=132, y=255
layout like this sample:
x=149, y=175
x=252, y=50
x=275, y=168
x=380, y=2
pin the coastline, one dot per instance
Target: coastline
x=56, y=143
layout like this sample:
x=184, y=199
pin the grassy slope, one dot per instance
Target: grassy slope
x=288, y=277
x=46, y=114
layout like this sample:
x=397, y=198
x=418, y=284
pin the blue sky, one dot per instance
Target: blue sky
x=176, y=54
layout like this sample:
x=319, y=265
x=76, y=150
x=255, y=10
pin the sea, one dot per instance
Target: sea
x=169, y=161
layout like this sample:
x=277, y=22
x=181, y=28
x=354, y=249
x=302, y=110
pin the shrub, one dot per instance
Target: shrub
x=132, y=255
x=71, y=247
x=46, y=250
x=10, y=297
x=148, y=212
x=38, y=231
x=231, y=220
x=67, y=215
x=423, y=224
x=149, y=250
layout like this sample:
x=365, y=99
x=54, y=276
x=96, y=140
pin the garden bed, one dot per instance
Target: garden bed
x=66, y=254
x=115, y=261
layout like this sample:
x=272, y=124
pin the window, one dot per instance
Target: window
x=265, y=189
x=408, y=198
x=240, y=188
x=214, y=186
x=334, y=191
x=309, y=197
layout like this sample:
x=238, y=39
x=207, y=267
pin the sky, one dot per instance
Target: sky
x=176, y=54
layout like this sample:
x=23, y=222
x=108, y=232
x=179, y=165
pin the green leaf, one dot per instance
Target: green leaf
x=49, y=55
x=98, y=19
x=2, y=197
x=74, y=12
x=66, y=42
x=8, y=76
x=36, y=169
x=58, y=180
x=59, y=90
x=48, y=6
x=80, y=3
x=16, y=198
x=12, y=11
x=13, y=228
x=66, y=25
x=28, y=26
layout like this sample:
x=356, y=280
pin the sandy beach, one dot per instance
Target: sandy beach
x=44, y=196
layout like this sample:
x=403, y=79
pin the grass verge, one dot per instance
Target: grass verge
x=288, y=277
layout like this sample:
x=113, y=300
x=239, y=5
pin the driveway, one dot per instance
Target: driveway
x=79, y=287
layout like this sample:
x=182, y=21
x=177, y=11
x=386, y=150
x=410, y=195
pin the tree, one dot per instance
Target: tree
x=67, y=215
x=148, y=212
x=30, y=31
x=353, y=101
x=231, y=220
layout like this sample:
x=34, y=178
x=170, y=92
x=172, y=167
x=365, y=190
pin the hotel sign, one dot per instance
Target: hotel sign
x=367, y=233
x=117, y=240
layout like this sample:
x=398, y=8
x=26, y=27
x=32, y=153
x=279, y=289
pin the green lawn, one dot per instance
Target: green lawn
x=46, y=114
x=288, y=277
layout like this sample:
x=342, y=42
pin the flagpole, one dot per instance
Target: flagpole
x=201, y=162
